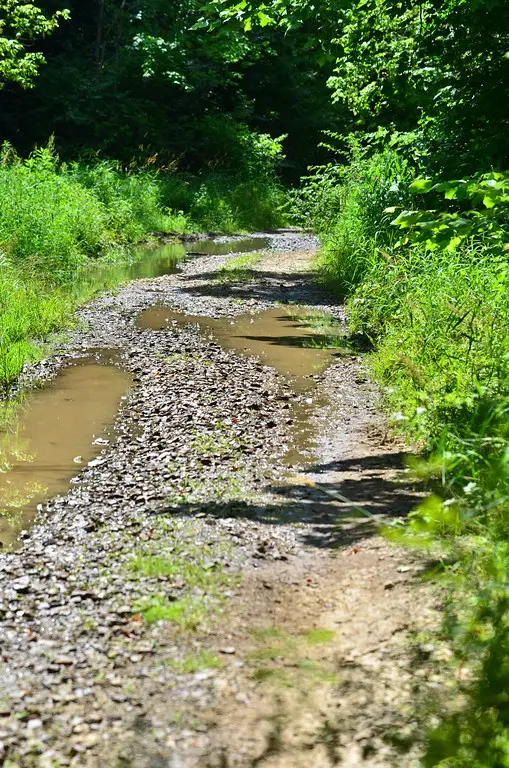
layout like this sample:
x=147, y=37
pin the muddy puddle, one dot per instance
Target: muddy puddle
x=58, y=430
x=149, y=261
x=295, y=341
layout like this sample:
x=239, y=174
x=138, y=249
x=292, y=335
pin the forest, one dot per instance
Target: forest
x=380, y=125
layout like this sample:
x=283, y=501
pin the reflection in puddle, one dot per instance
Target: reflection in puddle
x=59, y=429
x=295, y=341
x=213, y=248
x=149, y=261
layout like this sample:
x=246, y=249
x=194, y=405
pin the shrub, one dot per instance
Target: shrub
x=351, y=216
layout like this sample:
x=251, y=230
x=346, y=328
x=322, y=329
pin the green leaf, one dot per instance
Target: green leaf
x=263, y=19
x=408, y=218
x=421, y=186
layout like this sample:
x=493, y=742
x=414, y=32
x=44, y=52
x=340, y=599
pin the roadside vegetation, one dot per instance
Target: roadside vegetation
x=61, y=222
x=414, y=227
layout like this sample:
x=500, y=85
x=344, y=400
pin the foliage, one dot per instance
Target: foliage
x=53, y=217
x=20, y=23
x=135, y=81
x=436, y=70
x=350, y=216
x=447, y=229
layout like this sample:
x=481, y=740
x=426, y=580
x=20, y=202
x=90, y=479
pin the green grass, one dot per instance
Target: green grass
x=195, y=662
x=185, y=613
x=193, y=576
x=438, y=325
x=59, y=220
x=220, y=202
x=239, y=269
x=319, y=635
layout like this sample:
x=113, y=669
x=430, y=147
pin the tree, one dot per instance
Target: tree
x=21, y=23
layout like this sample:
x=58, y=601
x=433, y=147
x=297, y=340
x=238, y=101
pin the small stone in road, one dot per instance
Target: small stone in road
x=22, y=584
x=229, y=651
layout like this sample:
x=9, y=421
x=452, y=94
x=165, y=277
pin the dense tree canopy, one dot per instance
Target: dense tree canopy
x=19, y=24
x=137, y=79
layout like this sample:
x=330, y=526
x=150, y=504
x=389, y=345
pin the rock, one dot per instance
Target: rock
x=21, y=585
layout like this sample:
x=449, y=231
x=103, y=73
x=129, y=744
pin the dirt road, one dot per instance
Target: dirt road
x=201, y=596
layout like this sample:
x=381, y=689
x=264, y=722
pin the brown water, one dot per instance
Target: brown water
x=59, y=430
x=287, y=339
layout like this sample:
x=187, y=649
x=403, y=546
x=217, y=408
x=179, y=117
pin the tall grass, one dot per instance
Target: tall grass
x=438, y=323
x=55, y=218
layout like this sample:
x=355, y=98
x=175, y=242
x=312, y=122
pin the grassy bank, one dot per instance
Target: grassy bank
x=59, y=220
x=435, y=309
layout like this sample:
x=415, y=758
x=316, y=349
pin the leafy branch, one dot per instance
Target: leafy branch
x=488, y=220
x=19, y=24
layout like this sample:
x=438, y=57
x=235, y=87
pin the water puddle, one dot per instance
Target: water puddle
x=298, y=343
x=59, y=429
x=223, y=248
x=154, y=261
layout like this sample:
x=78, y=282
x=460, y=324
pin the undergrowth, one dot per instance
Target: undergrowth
x=436, y=315
x=57, y=219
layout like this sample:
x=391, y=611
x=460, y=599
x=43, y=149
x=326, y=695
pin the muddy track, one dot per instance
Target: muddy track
x=288, y=622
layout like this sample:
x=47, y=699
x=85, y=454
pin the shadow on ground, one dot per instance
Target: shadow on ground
x=372, y=483
x=264, y=286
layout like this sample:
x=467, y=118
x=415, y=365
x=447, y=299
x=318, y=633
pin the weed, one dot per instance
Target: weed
x=238, y=269
x=184, y=613
x=194, y=573
x=319, y=635
x=193, y=663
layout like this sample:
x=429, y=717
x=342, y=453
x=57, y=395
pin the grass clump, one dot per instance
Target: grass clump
x=185, y=613
x=319, y=635
x=195, y=662
x=192, y=573
x=239, y=269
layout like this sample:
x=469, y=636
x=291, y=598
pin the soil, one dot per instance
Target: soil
x=296, y=637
